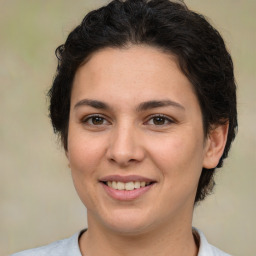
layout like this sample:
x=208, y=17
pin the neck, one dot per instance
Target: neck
x=171, y=240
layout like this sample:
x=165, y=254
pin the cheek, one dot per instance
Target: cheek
x=84, y=152
x=84, y=156
x=178, y=156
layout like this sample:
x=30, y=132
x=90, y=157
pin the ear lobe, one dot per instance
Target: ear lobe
x=215, y=145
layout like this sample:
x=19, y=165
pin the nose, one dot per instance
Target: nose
x=125, y=146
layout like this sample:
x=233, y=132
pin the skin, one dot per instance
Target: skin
x=127, y=139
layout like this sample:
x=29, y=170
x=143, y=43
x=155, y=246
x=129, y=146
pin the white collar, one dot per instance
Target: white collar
x=206, y=249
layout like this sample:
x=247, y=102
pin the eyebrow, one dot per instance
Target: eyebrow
x=141, y=107
x=92, y=103
x=157, y=104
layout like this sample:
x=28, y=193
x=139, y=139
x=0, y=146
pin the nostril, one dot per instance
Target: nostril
x=122, y=161
x=124, y=154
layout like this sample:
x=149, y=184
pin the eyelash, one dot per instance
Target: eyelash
x=152, y=117
x=87, y=118
x=164, y=117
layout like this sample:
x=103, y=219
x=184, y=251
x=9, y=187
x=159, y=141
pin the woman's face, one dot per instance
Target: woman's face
x=136, y=145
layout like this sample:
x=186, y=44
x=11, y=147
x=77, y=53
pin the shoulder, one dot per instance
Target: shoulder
x=67, y=247
x=205, y=248
x=218, y=252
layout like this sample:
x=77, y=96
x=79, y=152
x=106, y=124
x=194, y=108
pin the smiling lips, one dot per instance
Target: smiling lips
x=126, y=187
x=131, y=185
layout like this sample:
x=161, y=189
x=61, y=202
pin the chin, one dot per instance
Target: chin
x=127, y=229
x=130, y=222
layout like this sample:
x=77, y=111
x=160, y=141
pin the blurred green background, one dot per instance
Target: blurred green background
x=38, y=203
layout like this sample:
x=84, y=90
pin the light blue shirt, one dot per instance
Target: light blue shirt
x=70, y=247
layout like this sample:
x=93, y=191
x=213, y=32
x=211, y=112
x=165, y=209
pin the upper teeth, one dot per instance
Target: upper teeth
x=128, y=185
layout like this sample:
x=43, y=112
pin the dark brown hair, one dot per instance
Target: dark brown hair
x=167, y=25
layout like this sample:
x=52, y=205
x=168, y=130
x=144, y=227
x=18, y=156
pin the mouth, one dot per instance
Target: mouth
x=128, y=186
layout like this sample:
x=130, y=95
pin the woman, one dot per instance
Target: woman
x=144, y=101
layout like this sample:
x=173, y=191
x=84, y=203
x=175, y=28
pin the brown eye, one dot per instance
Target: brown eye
x=95, y=121
x=159, y=120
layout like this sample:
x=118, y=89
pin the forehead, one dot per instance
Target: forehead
x=134, y=58
x=136, y=73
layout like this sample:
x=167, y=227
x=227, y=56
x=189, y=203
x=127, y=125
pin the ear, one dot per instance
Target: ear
x=215, y=144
